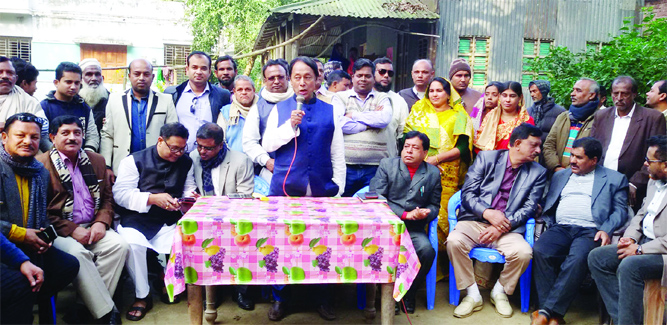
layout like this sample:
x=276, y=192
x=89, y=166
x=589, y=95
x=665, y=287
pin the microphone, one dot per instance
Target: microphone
x=299, y=102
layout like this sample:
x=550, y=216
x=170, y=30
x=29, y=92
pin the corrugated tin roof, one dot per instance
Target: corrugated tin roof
x=397, y=9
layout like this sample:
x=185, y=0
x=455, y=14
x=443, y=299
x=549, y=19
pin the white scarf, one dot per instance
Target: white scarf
x=276, y=97
x=17, y=101
x=237, y=110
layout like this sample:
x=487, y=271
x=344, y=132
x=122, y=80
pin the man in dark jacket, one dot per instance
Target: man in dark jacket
x=197, y=100
x=544, y=110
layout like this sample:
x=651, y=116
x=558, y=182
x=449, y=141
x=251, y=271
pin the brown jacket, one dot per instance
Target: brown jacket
x=57, y=195
x=554, y=145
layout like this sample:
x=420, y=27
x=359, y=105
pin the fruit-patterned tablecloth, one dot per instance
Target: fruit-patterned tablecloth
x=222, y=241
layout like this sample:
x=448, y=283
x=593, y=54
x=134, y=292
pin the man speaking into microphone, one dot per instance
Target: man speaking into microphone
x=306, y=135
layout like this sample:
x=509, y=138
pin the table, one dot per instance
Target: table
x=281, y=240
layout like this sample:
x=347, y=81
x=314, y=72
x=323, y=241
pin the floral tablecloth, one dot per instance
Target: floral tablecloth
x=280, y=240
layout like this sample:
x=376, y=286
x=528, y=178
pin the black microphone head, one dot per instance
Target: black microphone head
x=300, y=99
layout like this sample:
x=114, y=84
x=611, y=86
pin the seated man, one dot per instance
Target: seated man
x=23, y=186
x=21, y=280
x=80, y=207
x=218, y=170
x=146, y=190
x=585, y=204
x=416, y=199
x=501, y=192
x=641, y=254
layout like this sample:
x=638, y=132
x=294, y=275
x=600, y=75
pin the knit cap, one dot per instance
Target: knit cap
x=543, y=86
x=459, y=64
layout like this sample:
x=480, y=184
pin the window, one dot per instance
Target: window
x=533, y=49
x=476, y=51
x=176, y=55
x=422, y=48
x=15, y=46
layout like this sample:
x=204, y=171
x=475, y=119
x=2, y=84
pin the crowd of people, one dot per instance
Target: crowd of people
x=108, y=173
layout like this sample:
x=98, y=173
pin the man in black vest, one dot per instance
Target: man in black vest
x=146, y=190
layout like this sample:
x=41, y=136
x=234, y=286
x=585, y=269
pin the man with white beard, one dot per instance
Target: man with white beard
x=93, y=90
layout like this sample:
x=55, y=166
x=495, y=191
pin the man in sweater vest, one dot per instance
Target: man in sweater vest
x=146, y=190
x=65, y=100
x=422, y=74
x=365, y=114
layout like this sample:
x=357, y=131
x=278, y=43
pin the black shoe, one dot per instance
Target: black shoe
x=409, y=304
x=277, y=311
x=112, y=318
x=244, y=302
x=326, y=312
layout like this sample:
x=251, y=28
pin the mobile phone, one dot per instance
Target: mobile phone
x=187, y=200
x=239, y=196
x=48, y=235
x=370, y=195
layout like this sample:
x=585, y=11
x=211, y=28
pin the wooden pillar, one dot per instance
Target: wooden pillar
x=288, y=48
x=296, y=30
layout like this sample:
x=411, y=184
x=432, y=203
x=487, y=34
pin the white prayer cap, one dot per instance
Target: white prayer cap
x=88, y=62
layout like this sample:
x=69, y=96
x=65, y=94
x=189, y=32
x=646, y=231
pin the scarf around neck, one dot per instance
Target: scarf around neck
x=30, y=169
x=581, y=113
x=276, y=97
x=237, y=110
x=492, y=132
x=207, y=166
x=88, y=174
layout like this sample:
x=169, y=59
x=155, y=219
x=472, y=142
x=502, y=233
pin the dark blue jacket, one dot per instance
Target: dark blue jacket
x=218, y=97
x=77, y=107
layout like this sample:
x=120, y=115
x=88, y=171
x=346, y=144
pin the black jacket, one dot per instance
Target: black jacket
x=218, y=97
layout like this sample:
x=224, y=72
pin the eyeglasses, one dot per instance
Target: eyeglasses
x=193, y=107
x=200, y=147
x=176, y=150
x=385, y=71
x=652, y=161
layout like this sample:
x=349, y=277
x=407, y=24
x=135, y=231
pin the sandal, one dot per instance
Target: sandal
x=143, y=310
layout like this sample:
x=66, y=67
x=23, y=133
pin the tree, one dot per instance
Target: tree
x=239, y=20
x=640, y=51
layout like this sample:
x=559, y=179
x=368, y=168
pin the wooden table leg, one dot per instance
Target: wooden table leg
x=369, y=311
x=211, y=313
x=195, y=307
x=387, y=303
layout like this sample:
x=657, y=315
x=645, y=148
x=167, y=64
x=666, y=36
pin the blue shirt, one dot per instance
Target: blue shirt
x=138, y=141
x=233, y=133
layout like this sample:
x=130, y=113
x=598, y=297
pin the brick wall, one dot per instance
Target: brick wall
x=659, y=7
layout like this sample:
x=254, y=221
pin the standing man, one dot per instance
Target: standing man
x=135, y=116
x=321, y=92
x=571, y=125
x=197, y=100
x=365, y=115
x=384, y=74
x=502, y=191
x=13, y=100
x=24, y=185
x=233, y=116
x=93, y=90
x=422, y=74
x=585, y=204
x=656, y=98
x=339, y=81
x=274, y=90
x=621, y=270
x=80, y=207
x=26, y=74
x=225, y=71
x=146, y=190
x=544, y=109
x=403, y=181
x=65, y=100
x=460, y=75
x=623, y=131
x=218, y=170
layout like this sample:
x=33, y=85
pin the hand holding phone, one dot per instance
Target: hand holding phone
x=48, y=235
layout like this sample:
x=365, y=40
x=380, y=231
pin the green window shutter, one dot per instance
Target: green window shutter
x=545, y=49
x=479, y=63
x=527, y=64
x=525, y=80
x=479, y=79
x=464, y=46
x=528, y=47
x=480, y=46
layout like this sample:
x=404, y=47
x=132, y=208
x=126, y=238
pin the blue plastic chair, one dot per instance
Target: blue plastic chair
x=430, y=277
x=489, y=255
x=261, y=186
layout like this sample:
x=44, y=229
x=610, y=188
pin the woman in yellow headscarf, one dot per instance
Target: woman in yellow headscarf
x=442, y=117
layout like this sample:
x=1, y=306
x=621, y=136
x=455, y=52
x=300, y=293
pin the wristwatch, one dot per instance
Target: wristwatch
x=639, y=250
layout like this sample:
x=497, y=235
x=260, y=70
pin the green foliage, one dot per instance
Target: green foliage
x=640, y=51
x=239, y=20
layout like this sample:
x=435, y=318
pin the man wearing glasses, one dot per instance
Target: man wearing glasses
x=197, y=100
x=641, y=254
x=384, y=75
x=218, y=170
x=146, y=191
